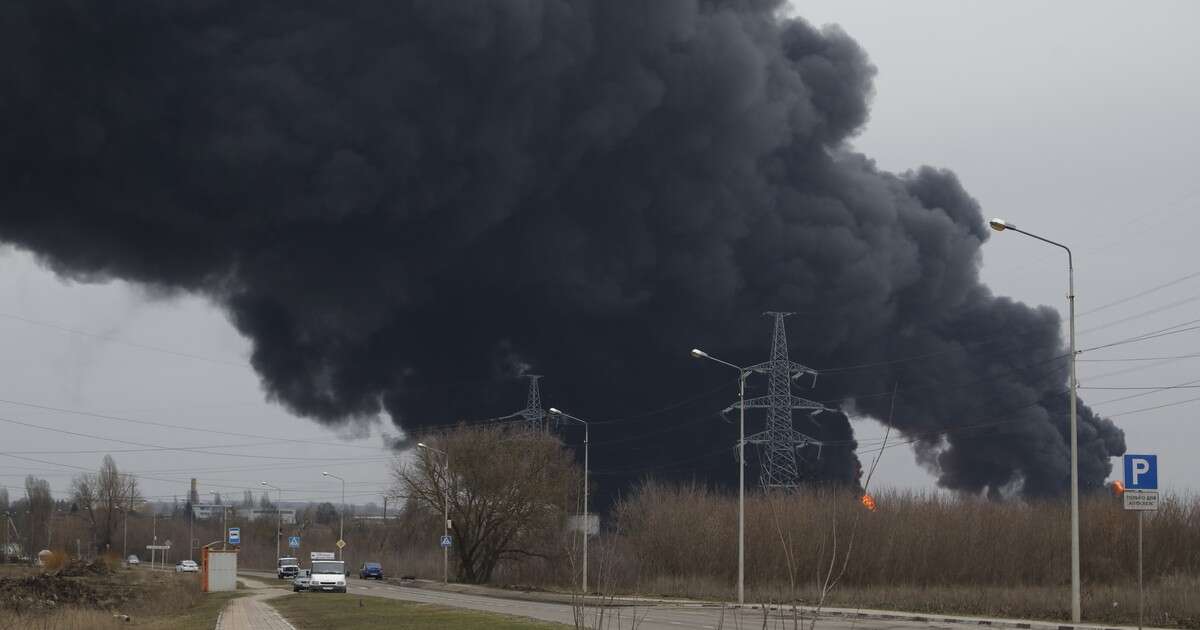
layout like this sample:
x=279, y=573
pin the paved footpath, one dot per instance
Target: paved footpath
x=252, y=612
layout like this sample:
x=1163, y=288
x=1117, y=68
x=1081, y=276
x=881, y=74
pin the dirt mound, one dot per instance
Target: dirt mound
x=78, y=568
x=44, y=591
x=48, y=591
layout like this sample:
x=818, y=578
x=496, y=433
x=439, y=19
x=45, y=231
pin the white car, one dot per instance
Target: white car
x=132, y=560
x=187, y=566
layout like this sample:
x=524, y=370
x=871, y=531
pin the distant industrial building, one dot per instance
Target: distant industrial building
x=209, y=511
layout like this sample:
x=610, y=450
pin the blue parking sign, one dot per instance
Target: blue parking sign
x=235, y=535
x=1141, y=472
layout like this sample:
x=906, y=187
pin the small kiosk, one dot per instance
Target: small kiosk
x=218, y=569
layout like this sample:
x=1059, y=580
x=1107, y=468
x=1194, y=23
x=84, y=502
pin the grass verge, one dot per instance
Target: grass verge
x=201, y=615
x=311, y=610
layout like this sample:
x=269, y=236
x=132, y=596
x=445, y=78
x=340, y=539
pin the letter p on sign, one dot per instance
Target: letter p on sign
x=1141, y=472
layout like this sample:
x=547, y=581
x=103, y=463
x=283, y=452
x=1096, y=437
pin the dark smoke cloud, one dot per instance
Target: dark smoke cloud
x=402, y=203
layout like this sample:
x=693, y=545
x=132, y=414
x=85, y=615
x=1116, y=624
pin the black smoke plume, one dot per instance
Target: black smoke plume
x=398, y=201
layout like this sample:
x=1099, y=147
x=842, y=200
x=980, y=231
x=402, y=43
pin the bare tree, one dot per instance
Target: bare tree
x=40, y=506
x=3, y=499
x=509, y=490
x=100, y=495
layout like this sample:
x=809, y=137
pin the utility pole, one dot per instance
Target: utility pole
x=445, y=508
x=279, y=519
x=587, y=516
x=7, y=525
x=154, y=535
x=125, y=533
x=341, y=514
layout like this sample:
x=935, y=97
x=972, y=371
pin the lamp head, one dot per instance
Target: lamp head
x=699, y=354
x=324, y=474
x=421, y=445
x=262, y=483
x=1000, y=224
x=555, y=411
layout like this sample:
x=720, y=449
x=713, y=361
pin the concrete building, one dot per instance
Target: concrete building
x=209, y=511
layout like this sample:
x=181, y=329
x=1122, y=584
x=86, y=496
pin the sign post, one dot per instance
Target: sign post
x=1141, y=495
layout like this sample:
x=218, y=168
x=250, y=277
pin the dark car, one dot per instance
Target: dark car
x=371, y=570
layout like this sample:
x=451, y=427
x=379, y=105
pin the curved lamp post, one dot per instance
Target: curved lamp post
x=1000, y=225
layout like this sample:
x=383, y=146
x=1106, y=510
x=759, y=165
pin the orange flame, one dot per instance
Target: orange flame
x=868, y=502
x=1118, y=488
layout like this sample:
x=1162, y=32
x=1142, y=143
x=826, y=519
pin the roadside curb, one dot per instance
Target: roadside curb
x=957, y=619
x=841, y=613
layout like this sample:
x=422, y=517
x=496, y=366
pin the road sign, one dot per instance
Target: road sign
x=1141, y=500
x=158, y=547
x=1141, y=495
x=341, y=544
x=321, y=555
x=446, y=541
x=1141, y=472
x=235, y=535
x=294, y=542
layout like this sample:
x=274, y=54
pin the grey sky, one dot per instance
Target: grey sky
x=1073, y=120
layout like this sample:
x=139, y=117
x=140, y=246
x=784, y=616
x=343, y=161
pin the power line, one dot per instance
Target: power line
x=117, y=340
x=1145, y=409
x=1130, y=359
x=1140, y=294
x=165, y=448
x=102, y=416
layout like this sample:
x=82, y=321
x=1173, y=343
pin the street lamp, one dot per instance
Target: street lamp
x=7, y=525
x=1001, y=225
x=224, y=520
x=278, y=516
x=587, y=508
x=124, y=536
x=341, y=514
x=742, y=374
x=445, y=508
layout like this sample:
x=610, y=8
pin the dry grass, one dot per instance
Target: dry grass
x=147, y=597
x=917, y=539
x=921, y=552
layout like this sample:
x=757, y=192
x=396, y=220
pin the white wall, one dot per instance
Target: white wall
x=222, y=571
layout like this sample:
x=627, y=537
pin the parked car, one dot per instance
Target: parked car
x=371, y=570
x=132, y=560
x=187, y=566
x=302, y=580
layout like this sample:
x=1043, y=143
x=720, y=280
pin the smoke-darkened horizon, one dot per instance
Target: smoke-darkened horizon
x=405, y=204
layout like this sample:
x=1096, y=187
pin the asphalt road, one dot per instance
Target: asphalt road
x=650, y=617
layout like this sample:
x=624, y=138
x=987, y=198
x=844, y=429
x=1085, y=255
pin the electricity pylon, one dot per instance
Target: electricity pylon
x=779, y=441
x=535, y=416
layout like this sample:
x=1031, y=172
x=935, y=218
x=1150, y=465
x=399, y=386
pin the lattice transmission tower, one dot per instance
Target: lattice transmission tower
x=780, y=443
x=535, y=416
